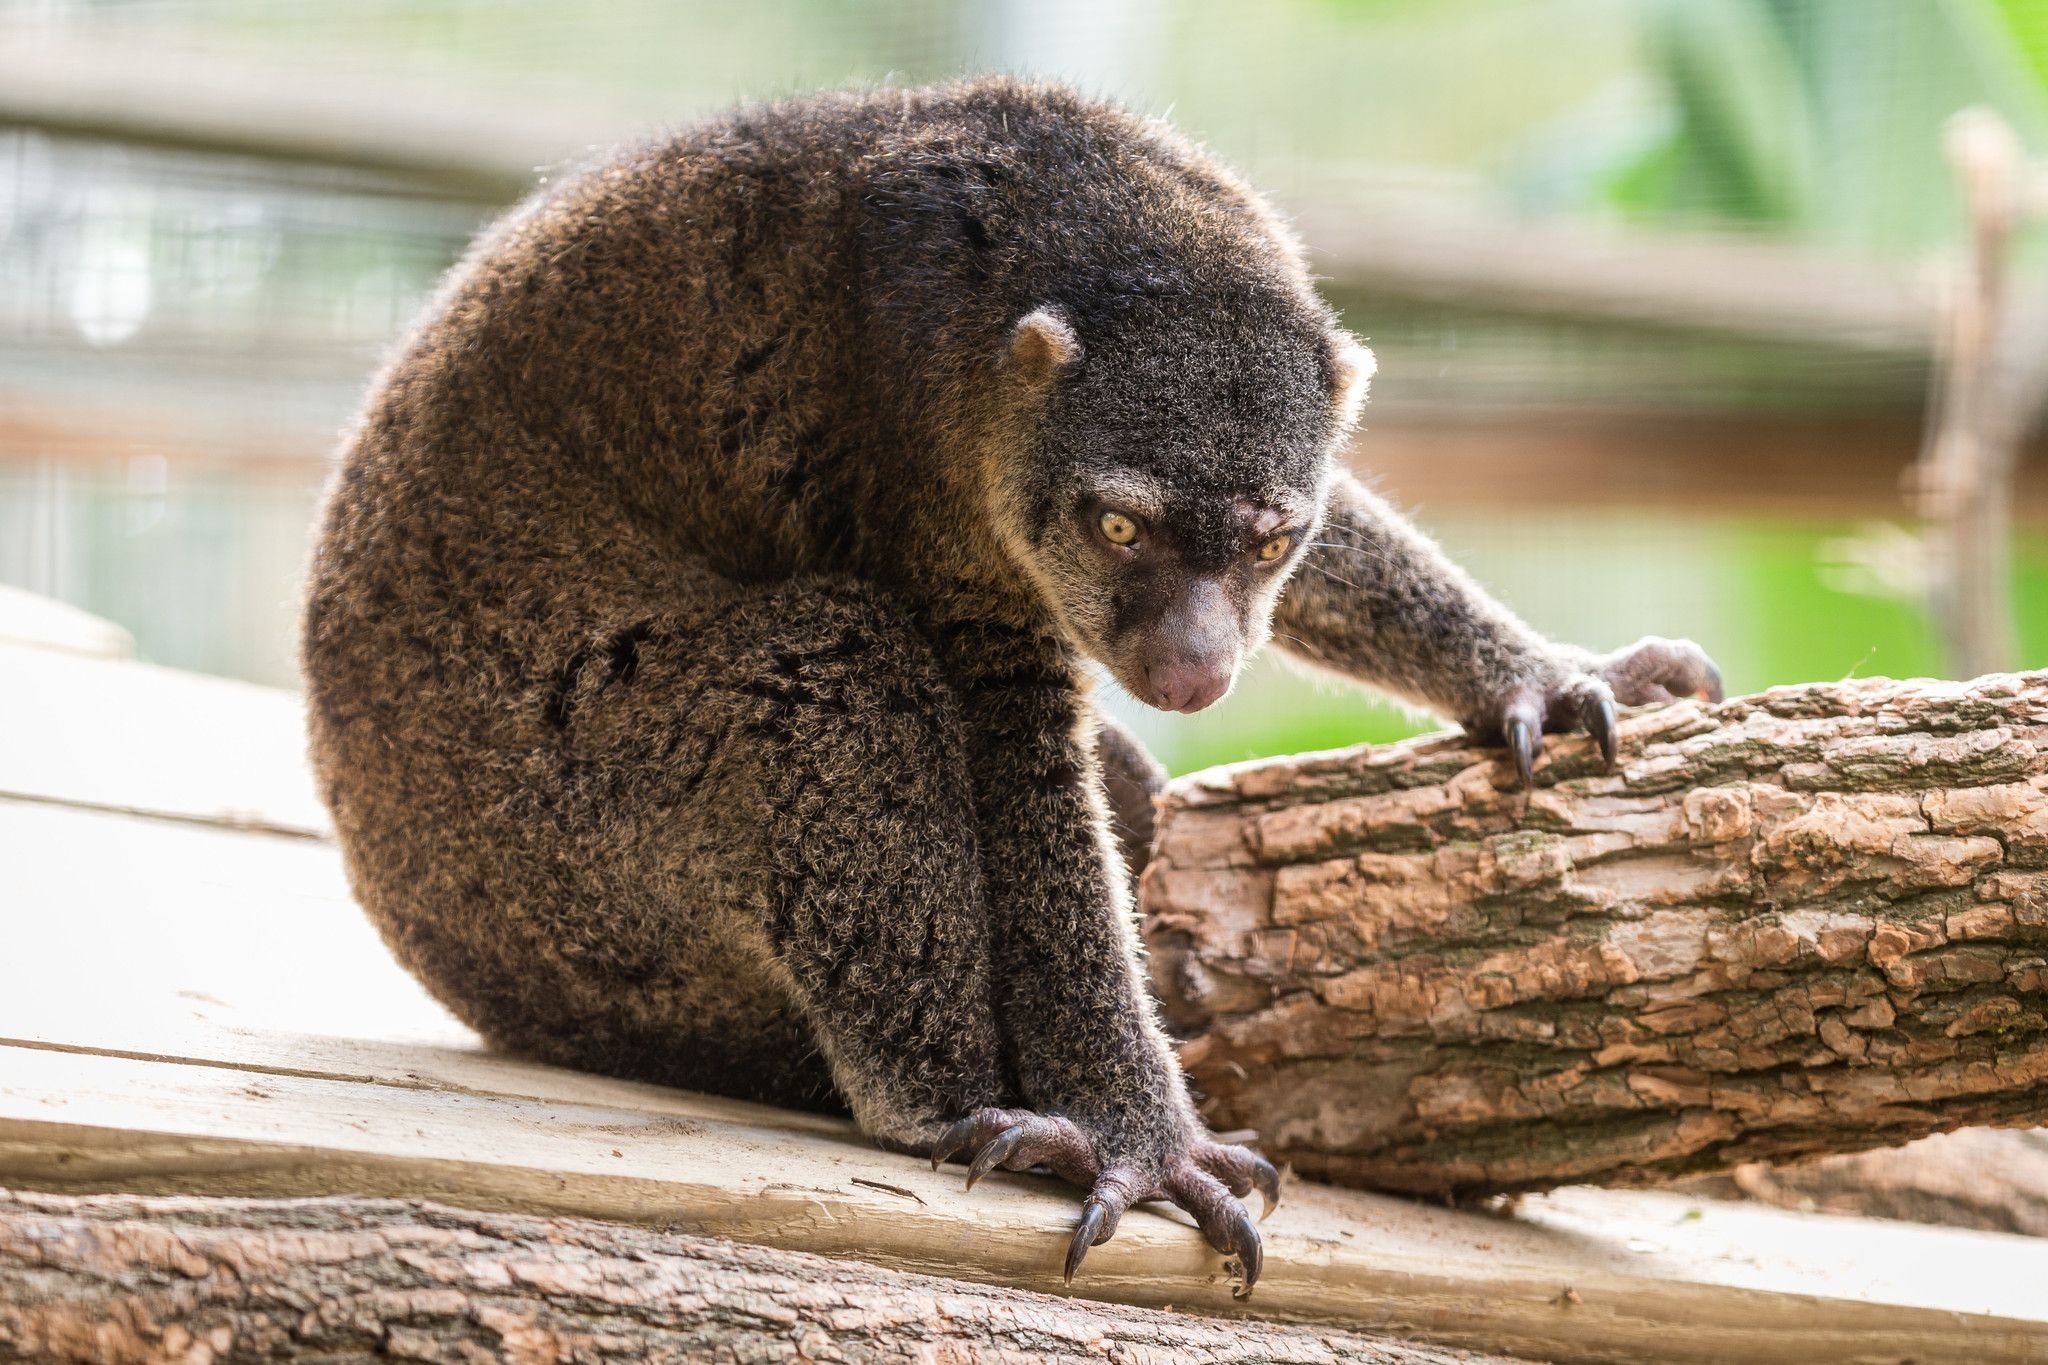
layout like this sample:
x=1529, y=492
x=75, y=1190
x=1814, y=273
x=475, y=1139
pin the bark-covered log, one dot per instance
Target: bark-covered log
x=118, y=1280
x=1811, y=921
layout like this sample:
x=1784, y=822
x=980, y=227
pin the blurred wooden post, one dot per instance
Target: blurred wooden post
x=1980, y=410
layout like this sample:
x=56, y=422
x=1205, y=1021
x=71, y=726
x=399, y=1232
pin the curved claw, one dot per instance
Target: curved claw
x=953, y=1139
x=1000, y=1149
x=1522, y=743
x=1597, y=714
x=1266, y=1179
x=1245, y=1245
x=1221, y=1217
x=1715, y=692
x=1087, y=1233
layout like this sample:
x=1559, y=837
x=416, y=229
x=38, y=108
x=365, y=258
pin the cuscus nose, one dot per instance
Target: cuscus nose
x=1187, y=685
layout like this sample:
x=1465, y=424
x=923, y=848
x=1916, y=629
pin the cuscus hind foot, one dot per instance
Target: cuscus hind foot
x=1241, y=1170
x=1208, y=1180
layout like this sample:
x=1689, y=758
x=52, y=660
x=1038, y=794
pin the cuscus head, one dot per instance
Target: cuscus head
x=1174, y=478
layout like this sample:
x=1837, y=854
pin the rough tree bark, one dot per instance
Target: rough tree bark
x=1810, y=921
x=119, y=1280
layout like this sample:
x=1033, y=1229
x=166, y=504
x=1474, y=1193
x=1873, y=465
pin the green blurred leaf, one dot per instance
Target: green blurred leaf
x=1824, y=117
x=2026, y=22
x=1745, y=144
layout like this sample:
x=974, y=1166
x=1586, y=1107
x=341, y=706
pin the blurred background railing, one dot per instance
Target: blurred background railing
x=1660, y=288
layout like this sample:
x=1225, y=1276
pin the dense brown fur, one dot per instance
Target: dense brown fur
x=696, y=639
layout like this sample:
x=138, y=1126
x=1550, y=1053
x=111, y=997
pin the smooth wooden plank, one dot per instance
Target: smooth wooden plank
x=37, y=622
x=131, y=736
x=133, y=936
x=116, y=910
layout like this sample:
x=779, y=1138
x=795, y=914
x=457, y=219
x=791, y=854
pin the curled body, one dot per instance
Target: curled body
x=698, y=640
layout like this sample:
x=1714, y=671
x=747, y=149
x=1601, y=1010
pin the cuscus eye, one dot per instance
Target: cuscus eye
x=1274, y=548
x=1118, y=529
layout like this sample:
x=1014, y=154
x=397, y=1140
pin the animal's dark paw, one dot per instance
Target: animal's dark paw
x=1582, y=694
x=1654, y=670
x=1207, y=1178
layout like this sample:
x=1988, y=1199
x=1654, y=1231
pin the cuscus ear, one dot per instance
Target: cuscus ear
x=1043, y=346
x=1351, y=366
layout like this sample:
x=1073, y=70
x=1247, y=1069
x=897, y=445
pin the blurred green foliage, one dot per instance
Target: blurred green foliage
x=1820, y=117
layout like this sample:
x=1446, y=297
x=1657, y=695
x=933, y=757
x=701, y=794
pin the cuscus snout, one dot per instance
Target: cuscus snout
x=1188, y=685
x=1187, y=657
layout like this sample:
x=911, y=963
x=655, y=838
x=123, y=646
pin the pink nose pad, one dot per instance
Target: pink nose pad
x=1187, y=685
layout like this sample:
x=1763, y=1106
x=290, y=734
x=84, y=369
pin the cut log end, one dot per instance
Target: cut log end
x=1811, y=921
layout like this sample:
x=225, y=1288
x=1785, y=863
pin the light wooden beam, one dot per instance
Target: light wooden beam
x=214, y=103
x=122, y=735
x=494, y=150
x=1721, y=283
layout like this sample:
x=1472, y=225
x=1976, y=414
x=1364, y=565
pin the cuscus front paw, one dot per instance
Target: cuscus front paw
x=1577, y=694
x=1208, y=1179
x=1654, y=670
